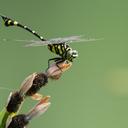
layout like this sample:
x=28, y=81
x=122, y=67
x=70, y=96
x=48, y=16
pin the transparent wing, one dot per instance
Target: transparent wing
x=70, y=39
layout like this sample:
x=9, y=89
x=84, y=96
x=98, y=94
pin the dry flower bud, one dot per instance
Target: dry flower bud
x=37, y=96
x=15, y=99
x=40, y=108
x=56, y=69
x=21, y=120
x=27, y=83
x=40, y=80
x=18, y=121
x=14, y=102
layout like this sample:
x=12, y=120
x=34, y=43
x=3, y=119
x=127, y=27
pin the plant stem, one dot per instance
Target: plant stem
x=4, y=120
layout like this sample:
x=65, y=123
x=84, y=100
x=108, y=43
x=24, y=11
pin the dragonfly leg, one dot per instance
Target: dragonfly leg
x=57, y=60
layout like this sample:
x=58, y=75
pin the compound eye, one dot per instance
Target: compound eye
x=74, y=52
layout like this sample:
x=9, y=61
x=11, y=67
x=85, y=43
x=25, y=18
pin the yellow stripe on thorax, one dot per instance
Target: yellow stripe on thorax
x=59, y=48
x=53, y=49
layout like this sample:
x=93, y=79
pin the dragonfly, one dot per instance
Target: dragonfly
x=59, y=46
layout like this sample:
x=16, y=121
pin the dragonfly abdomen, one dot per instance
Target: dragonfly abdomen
x=9, y=22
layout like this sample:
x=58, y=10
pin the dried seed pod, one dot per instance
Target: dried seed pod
x=14, y=102
x=27, y=83
x=40, y=80
x=56, y=69
x=15, y=99
x=40, y=108
x=37, y=96
x=18, y=121
x=21, y=120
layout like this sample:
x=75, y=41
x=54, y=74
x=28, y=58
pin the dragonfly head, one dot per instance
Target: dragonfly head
x=72, y=54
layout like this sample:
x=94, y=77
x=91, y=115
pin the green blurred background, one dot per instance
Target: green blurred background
x=94, y=92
